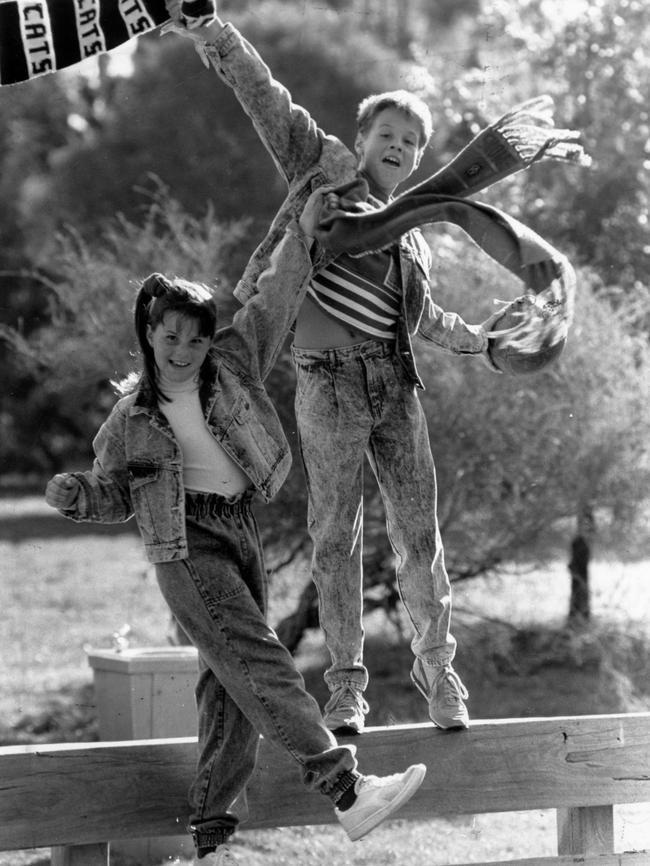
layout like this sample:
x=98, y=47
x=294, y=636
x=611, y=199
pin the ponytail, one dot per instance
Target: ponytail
x=157, y=296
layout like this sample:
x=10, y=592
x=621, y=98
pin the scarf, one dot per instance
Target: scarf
x=533, y=327
x=41, y=36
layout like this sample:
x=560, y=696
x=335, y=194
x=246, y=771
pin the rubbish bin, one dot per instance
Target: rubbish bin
x=146, y=693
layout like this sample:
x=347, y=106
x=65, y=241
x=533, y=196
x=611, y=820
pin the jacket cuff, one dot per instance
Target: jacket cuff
x=294, y=228
x=223, y=42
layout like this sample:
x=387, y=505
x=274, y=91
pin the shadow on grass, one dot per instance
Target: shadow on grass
x=70, y=717
x=54, y=525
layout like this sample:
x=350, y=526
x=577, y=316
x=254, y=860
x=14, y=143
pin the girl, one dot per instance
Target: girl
x=185, y=452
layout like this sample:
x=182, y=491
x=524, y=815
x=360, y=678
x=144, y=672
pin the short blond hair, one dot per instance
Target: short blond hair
x=404, y=101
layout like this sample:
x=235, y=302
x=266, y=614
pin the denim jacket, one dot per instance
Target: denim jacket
x=308, y=158
x=138, y=466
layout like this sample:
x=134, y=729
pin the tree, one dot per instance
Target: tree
x=596, y=66
x=176, y=119
x=85, y=340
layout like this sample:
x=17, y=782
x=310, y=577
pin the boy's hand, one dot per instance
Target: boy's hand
x=62, y=491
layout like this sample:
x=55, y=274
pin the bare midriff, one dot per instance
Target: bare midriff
x=315, y=329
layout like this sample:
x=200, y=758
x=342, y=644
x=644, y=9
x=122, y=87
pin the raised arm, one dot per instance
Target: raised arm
x=259, y=329
x=287, y=130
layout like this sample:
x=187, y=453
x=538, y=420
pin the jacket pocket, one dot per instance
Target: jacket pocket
x=142, y=472
x=148, y=499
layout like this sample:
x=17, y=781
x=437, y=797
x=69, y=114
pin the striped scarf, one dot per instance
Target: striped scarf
x=518, y=139
x=41, y=36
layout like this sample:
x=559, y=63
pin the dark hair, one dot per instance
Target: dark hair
x=157, y=297
x=407, y=102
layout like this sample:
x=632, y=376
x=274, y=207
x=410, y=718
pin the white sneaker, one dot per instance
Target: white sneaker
x=345, y=712
x=377, y=798
x=443, y=689
x=223, y=856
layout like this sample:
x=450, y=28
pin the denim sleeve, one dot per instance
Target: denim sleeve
x=449, y=331
x=104, y=490
x=258, y=331
x=287, y=131
x=446, y=330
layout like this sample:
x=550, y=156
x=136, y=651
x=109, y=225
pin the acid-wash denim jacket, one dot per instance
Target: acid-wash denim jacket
x=308, y=158
x=138, y=466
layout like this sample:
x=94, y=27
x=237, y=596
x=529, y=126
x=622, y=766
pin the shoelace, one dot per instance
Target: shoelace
x=453, y=686
x=349, y=699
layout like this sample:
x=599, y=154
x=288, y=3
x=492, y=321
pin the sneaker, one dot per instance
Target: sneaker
x=377, y=798
x=443, y=689
x=223, y=856
x=345, y=712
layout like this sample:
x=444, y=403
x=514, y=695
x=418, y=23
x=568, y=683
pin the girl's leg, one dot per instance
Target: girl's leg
x=228, y=746
x=217, y=595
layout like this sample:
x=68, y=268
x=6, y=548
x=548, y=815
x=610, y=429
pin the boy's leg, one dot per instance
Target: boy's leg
x=401, y=458
x=334, y=425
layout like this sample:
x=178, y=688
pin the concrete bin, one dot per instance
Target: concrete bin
x=146, y=693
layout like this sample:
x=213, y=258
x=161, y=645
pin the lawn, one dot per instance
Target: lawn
x=67, y=589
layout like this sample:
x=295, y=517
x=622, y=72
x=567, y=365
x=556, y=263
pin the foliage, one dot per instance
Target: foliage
x=517, y=455
x=175, y=132
x=88, y=339
x=594, y=62
x=177, y=118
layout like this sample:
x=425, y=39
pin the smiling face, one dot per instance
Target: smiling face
x=178, y=347
x=389, y=151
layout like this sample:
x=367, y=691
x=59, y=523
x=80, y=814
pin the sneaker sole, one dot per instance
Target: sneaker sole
x=339, y=727
x=414, y=778
x=422, y=689
x=344, y=730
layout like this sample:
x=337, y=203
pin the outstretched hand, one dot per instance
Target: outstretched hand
x=198, y=31
x=62, y=491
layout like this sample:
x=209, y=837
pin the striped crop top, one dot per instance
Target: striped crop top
x=365, y=292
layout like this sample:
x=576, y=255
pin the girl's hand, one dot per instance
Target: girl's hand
x=62, y=491
x=197, y=30
x=316, y=208
x=200, y=35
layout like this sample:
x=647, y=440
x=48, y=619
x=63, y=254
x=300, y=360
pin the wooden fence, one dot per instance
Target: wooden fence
x=77, y=797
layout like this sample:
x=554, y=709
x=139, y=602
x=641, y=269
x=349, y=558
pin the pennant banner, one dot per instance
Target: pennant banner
x=41, y=36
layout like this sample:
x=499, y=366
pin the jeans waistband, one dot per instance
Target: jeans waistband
x=340, y=354
x=214, y=505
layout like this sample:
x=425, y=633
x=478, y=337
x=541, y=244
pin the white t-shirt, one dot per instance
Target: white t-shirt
x=206, y=466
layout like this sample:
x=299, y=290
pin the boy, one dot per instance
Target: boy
x=356, y=378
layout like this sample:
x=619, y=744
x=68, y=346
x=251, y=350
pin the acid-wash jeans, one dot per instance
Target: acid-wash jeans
x=352, y=401
x=248, y=683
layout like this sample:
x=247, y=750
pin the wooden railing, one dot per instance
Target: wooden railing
x=76, y=797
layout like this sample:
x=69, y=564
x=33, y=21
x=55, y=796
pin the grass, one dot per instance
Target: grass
x=69, y=588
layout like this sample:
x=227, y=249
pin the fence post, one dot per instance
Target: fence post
x=80, y=855
x=146, y=693
x=585, y=830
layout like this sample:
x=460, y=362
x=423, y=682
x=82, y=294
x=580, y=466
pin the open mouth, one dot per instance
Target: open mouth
x=391, y=160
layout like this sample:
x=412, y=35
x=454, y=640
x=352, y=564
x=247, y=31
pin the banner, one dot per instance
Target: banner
x=41, y=36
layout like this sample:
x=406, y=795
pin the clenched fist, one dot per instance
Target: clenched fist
x=62, y=491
